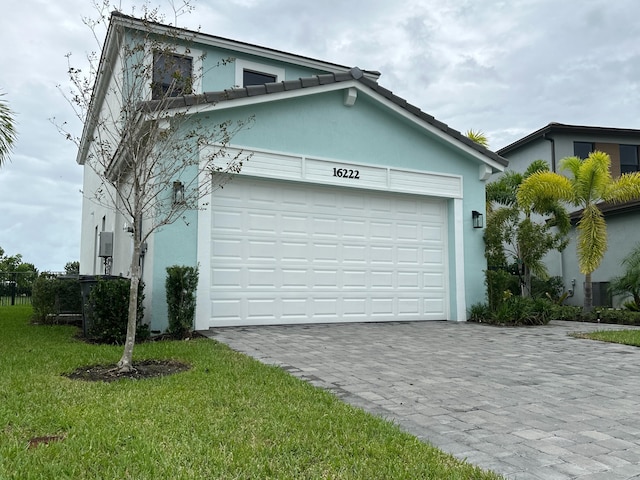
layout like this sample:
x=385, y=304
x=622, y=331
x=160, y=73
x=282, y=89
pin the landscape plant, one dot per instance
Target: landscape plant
x=7, y=130
x=107, y=309
x=152, y=162
x=181, y=285
x=628, y=284
x=588, y=185
x=519, y=235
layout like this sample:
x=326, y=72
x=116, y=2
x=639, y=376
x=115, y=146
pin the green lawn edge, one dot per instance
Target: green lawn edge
x=228, y=417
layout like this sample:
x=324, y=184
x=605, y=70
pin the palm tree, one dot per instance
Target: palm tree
x=7, y=131
x=589, y=184
x=478, y=136
x=513, y=235
x=629, y=282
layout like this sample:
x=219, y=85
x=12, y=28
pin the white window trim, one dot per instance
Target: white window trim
x=196, y=65
x=242, y=65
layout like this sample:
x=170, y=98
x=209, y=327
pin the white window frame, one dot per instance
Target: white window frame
x=242, y=65
x=196, y=67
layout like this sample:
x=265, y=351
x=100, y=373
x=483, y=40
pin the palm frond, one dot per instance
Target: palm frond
x=624, y=189
x=536, y=166
x=544, y=186
x=7, y=130
x=478, y=136
x=592, y=239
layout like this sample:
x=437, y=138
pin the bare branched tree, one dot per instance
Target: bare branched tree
x=152, y=160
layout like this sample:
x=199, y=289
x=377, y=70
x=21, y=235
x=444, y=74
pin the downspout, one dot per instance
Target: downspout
x=553, y=169
x=553, y=151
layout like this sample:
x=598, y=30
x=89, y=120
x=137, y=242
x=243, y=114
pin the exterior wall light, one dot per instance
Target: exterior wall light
x=178, y=192
x=477, y=219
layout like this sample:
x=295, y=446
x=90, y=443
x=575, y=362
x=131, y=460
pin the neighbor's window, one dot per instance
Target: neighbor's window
x=628, y=158
x=582, y=149
x=172, y=75
x=251, y=77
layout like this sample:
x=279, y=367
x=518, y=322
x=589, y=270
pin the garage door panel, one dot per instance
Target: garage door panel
x=295, y=278
x=288, y=253
x=294, y=252
x=293, y=225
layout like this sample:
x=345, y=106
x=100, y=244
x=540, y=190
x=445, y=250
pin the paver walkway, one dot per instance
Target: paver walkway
x=529, y=403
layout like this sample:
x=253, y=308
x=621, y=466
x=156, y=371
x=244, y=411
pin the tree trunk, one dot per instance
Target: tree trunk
x=126, y=362
x=526, y=282
x=588, y=293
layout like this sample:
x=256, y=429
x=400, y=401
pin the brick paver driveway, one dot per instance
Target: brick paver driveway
x=529, y=403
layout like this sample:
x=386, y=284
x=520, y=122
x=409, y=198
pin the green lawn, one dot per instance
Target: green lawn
x=227, y=417
x=627, y=337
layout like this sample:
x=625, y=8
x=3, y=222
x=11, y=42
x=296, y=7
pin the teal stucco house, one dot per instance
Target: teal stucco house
x=355, y=205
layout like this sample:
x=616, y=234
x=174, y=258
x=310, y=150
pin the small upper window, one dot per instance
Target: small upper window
x=251, y=77
x=628, y=158
x=582, y=149
x=172, y=75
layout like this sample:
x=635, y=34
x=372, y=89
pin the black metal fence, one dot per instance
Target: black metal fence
x=16, y=288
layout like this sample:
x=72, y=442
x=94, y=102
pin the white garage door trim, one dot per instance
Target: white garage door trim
x=393, y=180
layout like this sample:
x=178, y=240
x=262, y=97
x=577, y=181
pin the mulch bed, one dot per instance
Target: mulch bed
x=141, y=370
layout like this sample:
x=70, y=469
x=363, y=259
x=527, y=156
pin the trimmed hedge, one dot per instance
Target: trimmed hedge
x=53, y=295
x=181, y=285
x=108, y=309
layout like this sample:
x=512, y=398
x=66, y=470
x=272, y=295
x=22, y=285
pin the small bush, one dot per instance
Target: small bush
x=479, y=312
x=499, y=282
x=514, y=310
x=108, y=305
x=610, y=315
x=181, y=285
x=54, y=295
x=566, y=312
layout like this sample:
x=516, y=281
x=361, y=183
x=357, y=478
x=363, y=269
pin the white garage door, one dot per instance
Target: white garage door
x=286, y=252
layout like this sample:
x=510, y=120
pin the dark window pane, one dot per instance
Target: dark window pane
x=250, y=77
x=628, y=158
x=172, y=75
x=582, y=149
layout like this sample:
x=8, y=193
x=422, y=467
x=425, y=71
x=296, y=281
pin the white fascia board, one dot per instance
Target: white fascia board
x=103, y=78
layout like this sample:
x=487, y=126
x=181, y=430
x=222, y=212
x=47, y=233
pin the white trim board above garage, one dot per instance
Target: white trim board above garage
x=309, y=169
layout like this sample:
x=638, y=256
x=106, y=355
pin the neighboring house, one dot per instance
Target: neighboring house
x=355, y=206
x=557, y=141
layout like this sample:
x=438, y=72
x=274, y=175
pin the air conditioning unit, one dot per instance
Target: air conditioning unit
x=106, y=245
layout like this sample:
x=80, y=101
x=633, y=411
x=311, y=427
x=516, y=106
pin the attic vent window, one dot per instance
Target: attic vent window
x=172, y=75
x=251, y=77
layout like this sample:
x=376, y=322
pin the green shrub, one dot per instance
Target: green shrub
x=551, y=288
x=566, y=312
x=181, y=285
x=479, y=312
x=500, y=282
x=514, y=310
x=108, y=309
x=610, y=315
x=54, y=295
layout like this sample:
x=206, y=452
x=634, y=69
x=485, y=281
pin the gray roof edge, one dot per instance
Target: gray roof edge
x=353, y=74
x=554, y=128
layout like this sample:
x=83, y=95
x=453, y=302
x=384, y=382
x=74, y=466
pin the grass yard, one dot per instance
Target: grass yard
x=228, y=417
x=626, y=337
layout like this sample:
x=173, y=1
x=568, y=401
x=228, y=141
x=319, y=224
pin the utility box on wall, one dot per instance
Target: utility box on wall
x=106, y=245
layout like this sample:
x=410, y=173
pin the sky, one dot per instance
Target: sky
x=506, y=68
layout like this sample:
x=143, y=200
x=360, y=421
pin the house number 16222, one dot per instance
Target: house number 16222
x=346, y=173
